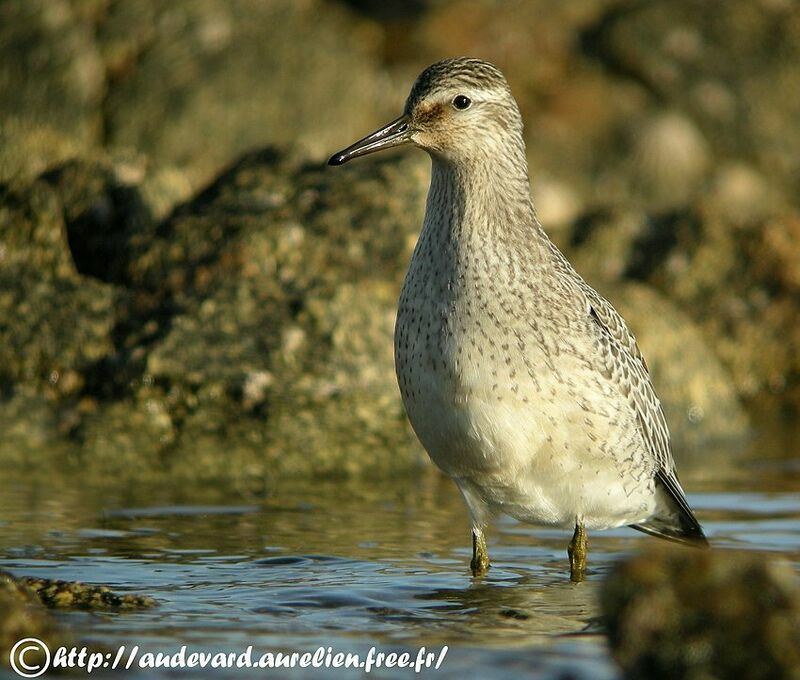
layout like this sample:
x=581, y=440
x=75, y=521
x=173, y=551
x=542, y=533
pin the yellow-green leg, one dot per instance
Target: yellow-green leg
x=577, y=550
x=480, y=555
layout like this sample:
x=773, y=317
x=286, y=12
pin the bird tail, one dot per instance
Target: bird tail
x=674, y=519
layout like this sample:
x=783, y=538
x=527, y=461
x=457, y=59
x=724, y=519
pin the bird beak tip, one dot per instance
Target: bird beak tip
x=338, y=159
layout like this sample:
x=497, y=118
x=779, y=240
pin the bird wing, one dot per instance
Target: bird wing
x=609, y=319
x=627, y=369
x=624, y=364
x=629, y=372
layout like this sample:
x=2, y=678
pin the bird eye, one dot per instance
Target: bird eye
x=461, y=102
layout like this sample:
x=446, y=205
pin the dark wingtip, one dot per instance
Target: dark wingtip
x=337, y=159
x=694, y=539
x=686, y=529
x=701, y=542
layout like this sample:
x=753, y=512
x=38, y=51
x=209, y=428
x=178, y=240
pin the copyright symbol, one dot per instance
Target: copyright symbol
x=34, y=649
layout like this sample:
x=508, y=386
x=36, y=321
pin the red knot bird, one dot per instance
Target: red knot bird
x=522, y=383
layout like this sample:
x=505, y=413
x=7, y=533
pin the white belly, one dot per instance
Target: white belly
x=540, y=449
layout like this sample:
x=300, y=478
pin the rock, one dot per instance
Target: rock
x=102, y=215
x=30, y=425
x=268, y=346
x=55, y=321
x=736, y=279
x=680, y=613
x=57, y=594
x=64, y=249
x=603, y=244
x=669, y=163
x=744, y=197
x=24, y=616
x=353, y=388
x=186, y=88
x=682, y=52
x=61, y=325
x=27, y=149
x=257, y=321
x=749, y=279
x=34, y=235
x=196, y=84
x=25, y=604
x=126, y=438
x=164, y=188
x=49, y=61
x=557, y=205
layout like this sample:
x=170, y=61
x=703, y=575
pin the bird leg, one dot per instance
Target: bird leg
x=480, y=555
x=577, y=554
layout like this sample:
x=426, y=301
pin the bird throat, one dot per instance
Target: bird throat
x=481, y=204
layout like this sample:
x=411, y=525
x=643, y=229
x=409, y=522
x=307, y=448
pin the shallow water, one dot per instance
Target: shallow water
x=353, y=565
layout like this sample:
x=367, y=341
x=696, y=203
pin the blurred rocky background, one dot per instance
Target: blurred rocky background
x=187, y=290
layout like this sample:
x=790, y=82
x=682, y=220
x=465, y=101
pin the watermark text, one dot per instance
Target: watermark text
x=31, y=657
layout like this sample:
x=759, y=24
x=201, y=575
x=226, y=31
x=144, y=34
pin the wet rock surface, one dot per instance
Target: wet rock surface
x=25, y=605
x=24, y=616
x=710, y=614
x=179, y=296
x=55, y=594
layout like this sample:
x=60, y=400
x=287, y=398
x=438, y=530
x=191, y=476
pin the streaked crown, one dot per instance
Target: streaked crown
x=451, y=74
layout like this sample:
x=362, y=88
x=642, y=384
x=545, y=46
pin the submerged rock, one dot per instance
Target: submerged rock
x=706, y=615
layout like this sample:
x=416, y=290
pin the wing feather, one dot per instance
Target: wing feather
x=622, y=362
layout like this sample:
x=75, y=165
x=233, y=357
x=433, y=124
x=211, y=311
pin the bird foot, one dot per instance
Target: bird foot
x=577, y=551
x=480, y=555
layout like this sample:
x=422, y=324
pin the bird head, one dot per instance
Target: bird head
x=458, y=109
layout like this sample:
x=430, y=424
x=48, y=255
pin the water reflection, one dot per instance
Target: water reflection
x=355, y=564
